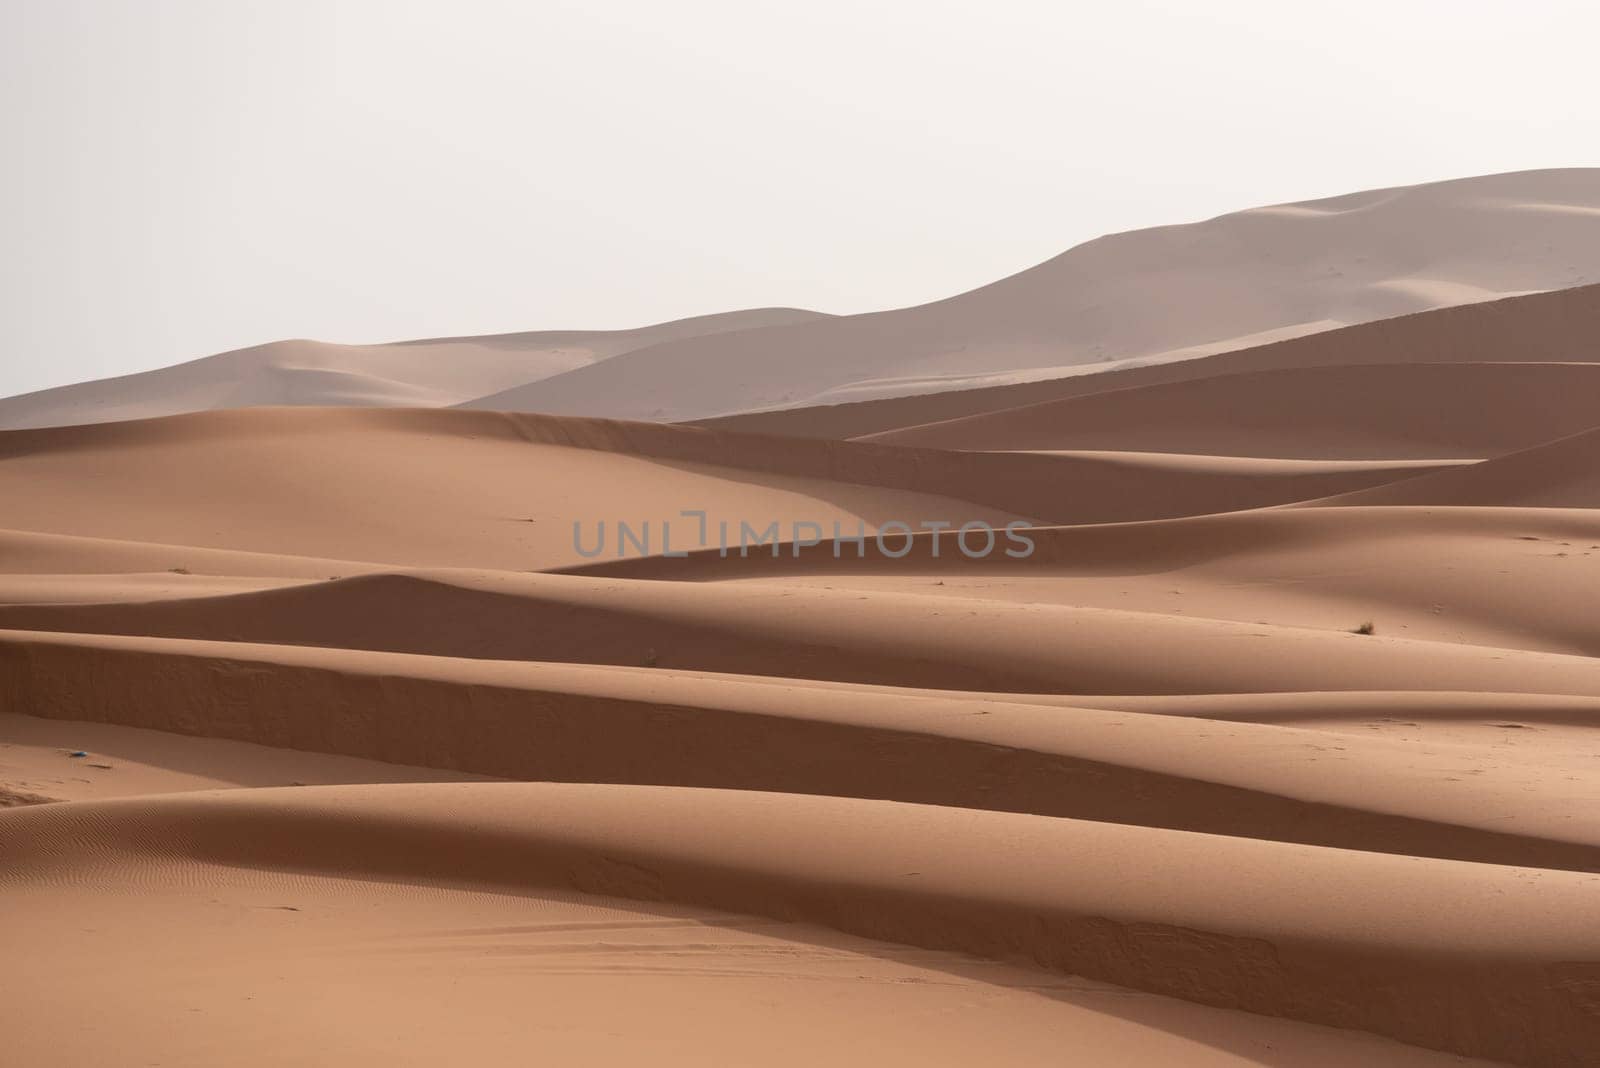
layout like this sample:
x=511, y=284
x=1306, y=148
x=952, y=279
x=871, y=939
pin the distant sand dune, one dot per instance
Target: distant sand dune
x=436, y=372
x=1150, y=295
x=1558, y=327
x=1366, y=412
x=1169, y=293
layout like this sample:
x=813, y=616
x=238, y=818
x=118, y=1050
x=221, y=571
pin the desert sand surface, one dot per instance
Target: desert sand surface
x=490, y=956
x=339, y=731
x=130, y=762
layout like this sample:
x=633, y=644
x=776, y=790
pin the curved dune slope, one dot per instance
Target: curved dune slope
x=1561, y=474
x=506, y=490
x=1325, y=935
x=1507, y=577
x=1150, y=296
x=1025, y=754
x=1556, y=327
x=888, y=638
x=1359, y=412
x=502, y=491
x=1265, y=733
x=429, y=373
x=1123, y=301
x=135, y=762
x=451, y=975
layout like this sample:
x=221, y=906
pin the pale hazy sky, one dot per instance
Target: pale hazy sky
x=188, y=176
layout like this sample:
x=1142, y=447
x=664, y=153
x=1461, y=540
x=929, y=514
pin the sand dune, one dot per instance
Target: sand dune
x=1561, y=474
x=1293, y=930
x=505, y=490
x=848, y=634
x=579, y=723
x=131, y=762
x=323, y=740
x=1556, y=327
x=385, y=972
x=1478, y=576
x=1150, y=296
x=431, y=373
x=1360, y=412
x=502, y=491
x=1170, y=293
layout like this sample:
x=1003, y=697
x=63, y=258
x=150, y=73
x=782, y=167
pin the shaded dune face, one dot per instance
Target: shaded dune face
x=325, y=739
x=1554, y=327
x=1372, y=412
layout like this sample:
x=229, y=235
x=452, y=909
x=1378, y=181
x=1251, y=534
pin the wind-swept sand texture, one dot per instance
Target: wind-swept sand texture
x=323, y=742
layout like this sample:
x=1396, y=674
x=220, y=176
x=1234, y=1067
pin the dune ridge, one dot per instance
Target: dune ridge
x=1023, y=887
x=1561, y=326
x=432, y=372
x=1150, y=296
x=1114, y=305
x=1353, y=412
x=564, y=723
x=843, y=634
x=494, y=472
x=1555, y=474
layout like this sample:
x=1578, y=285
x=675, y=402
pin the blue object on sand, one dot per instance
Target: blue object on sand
x=77, y=753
